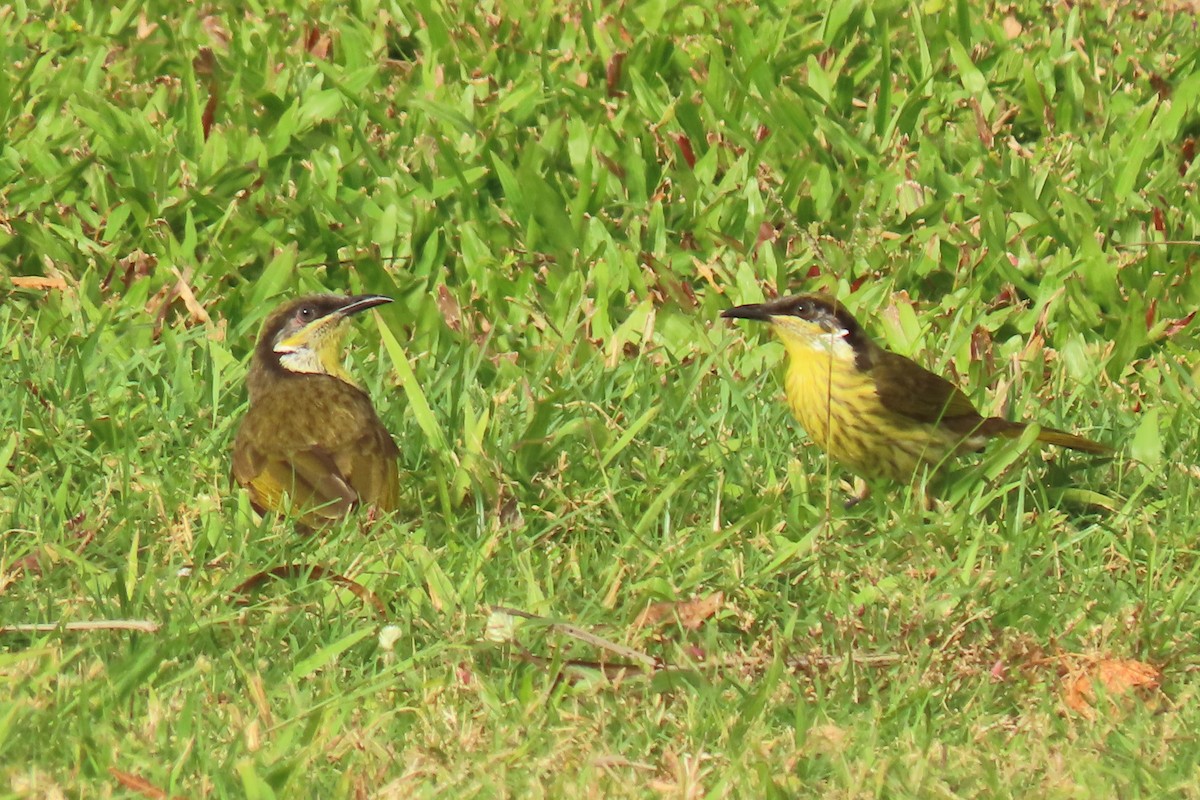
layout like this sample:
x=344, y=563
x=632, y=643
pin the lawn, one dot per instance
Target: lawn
x=621, y=569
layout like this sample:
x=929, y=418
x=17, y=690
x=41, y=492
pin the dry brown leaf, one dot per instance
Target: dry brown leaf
x=767, y=232
x=612, y=75
x=981, y=349
x=218, y=34
x=137, y=264
x=691, y=614
x=136, y=783
x=1176, y=325
x=197, y=312
x=318, y=43
x=258, y=694
x=1116, y=678
x=685, y=149
x=210, y=111
x=39, y=282
x=827, y=740
x=451, y=310
x=612, y=166
x=160, y=304
x=982, y=128
x=145, y=27
x=205, y=63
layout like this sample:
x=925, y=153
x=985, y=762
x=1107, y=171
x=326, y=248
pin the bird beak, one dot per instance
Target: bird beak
x=756, y=311
x=361, y=303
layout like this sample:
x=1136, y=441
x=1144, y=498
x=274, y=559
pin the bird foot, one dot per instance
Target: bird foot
x=369, y=517
x=859, y=491
x=924, y=499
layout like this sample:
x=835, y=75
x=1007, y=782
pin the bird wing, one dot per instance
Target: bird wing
x=309, y=477
x=370, y=466
x=326, y=454
x=908, y=389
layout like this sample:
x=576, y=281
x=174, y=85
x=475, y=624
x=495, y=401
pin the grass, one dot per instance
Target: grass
x=562, y=199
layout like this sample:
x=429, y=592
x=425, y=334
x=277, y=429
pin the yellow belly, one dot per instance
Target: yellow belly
x=840, y=410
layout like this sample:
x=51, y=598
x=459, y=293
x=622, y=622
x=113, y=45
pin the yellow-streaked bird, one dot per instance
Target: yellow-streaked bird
x=311, y=433
x=876, y=412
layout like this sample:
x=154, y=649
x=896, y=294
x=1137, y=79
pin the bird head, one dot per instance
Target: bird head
x=305, y=335
x=808, y=322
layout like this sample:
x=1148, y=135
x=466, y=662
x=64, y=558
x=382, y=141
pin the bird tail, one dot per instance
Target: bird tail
x=995, y=426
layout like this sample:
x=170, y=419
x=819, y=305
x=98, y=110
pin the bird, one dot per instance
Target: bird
x=876, y=412
x=311, y=439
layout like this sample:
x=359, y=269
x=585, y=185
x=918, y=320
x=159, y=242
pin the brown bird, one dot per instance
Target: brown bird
x=311, y=434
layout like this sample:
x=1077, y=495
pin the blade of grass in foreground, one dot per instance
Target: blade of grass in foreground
x=417, y=402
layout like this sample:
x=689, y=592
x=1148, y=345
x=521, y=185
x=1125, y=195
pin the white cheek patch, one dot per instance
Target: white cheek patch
x=832, y=343
x=300, y=360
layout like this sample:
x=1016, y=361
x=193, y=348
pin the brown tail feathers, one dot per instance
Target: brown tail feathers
x=994, y=426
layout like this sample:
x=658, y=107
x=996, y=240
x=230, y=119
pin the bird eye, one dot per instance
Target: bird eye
x=305, y=312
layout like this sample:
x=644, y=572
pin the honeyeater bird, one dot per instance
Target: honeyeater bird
x=311, y=434
x=876, y=412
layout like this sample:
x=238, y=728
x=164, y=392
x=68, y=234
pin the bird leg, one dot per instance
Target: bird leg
x=858, y=491
x=369, y=517
x=924, y=498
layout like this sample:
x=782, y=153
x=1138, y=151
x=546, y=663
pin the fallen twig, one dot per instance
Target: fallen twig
x=644, y=660
x=144, y=625
x=314, y=572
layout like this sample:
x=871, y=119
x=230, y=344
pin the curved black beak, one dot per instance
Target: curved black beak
x=760, y=312
x=362, y=302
